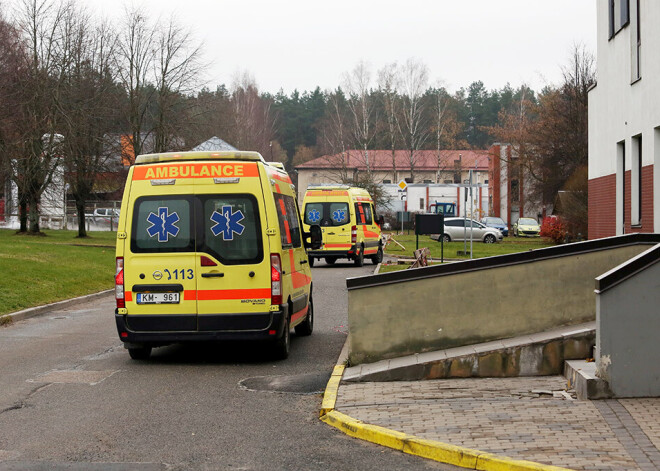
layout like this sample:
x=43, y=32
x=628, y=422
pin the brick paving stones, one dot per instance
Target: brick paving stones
x=504, y=416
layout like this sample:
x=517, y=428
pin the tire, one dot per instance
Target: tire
x=311, y=261
x=140, y=353
x=306, y=327
x=359, y=258
x=489, y=239
x=330, y=260
x=283, y=344
x=446, y=238
x=376, y=259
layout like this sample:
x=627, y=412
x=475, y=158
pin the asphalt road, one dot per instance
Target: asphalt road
x=71, y=398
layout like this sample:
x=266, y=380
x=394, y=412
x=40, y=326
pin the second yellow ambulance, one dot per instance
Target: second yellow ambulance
x=348, y=222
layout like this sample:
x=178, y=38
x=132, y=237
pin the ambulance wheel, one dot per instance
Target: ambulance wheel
x=330, y=260
x=306, y=327
x=283, y=344
x=140, y=353
x=359, y=258
x=311, y=261
x=376, y=259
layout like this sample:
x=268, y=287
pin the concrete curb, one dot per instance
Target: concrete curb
x=437, y=451
x=39, y=310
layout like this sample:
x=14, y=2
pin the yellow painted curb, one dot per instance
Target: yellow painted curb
x=330, y=394
x=431, y=449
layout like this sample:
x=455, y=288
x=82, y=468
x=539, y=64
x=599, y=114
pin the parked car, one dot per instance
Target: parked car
x=104, y=214
x=456, y=228
x=526, y=227
x=497, y=223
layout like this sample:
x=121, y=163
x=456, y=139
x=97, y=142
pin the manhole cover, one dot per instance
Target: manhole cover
x=311, y=383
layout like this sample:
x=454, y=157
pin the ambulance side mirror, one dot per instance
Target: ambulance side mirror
x=316, y=237
x=381, y=220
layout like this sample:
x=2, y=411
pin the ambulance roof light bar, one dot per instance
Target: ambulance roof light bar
x=198, y=155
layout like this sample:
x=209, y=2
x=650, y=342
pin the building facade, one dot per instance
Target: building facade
x=448, y=167
x=624, y=120
x=509, y=188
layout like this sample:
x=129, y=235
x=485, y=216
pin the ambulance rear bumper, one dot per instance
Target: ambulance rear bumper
x=332, y=253
x=165, y=329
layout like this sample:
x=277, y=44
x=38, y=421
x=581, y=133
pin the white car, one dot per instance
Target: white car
x=104, y=214
x=457, y=228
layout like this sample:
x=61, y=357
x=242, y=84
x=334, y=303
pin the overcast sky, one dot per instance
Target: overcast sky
x=301, y=44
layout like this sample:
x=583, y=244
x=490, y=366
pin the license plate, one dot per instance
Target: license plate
x=157, y=298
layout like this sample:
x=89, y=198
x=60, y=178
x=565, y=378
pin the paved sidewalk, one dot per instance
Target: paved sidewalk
x=505, y=417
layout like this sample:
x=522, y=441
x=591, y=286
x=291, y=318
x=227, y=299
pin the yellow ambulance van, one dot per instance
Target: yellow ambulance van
x=348, y=223
x=210, y=247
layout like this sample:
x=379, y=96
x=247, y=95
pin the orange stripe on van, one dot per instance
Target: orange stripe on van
x=327, y=193
x=225, y=294
x=217, y=294
x=299, y=314
x=195, y=170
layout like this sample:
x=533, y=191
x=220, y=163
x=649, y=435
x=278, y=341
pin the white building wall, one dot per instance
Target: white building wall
x=620, y=107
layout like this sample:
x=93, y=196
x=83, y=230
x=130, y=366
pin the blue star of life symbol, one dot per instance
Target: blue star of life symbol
x=163, y=224
x=227, y=223
x=313, y=215
x=339, y=215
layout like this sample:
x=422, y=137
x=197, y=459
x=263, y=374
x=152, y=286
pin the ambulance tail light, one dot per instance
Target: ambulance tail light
x=353, y=234
x=119, y=283
x=275, y=279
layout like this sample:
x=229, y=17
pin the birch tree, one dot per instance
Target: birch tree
x=414, y=127
x=388, y=81
x=362, y=109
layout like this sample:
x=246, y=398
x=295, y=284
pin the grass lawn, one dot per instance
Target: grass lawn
x=508, y=245
x=42, y=269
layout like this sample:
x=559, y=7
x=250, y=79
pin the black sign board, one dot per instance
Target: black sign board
x=426, y=224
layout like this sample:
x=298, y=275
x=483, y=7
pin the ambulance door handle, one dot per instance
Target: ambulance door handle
x=212, y=275
x=303, y=262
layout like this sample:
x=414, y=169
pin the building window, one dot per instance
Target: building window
x=457, y=171
x=428, y=181
x=387, y=181
x=447, y=182
x=636, y=182
x=619, y=15
x=408, y=180
x=421, y=203
x=635, y=44
x=515, y=191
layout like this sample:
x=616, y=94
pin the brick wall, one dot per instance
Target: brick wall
x=602, y=204
x=647, y=199
x=602, y=207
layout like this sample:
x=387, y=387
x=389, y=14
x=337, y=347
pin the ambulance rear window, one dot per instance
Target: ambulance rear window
x=232, y=231
x=162, y=225
x=327, y=214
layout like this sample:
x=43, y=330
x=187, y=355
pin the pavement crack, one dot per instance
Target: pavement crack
x=23, y=403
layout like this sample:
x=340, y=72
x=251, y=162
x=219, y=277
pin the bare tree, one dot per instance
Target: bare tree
x=254, y=126
x=88, y=109
x=136, y=49
x=334, y=133
x=388, y=81
x=178, y=71
x=361, y=104
x=413, y=126
x=44, y=27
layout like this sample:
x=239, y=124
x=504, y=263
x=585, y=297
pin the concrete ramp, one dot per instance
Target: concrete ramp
x=538, y=354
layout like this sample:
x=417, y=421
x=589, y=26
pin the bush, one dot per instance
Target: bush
x=554, y=228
